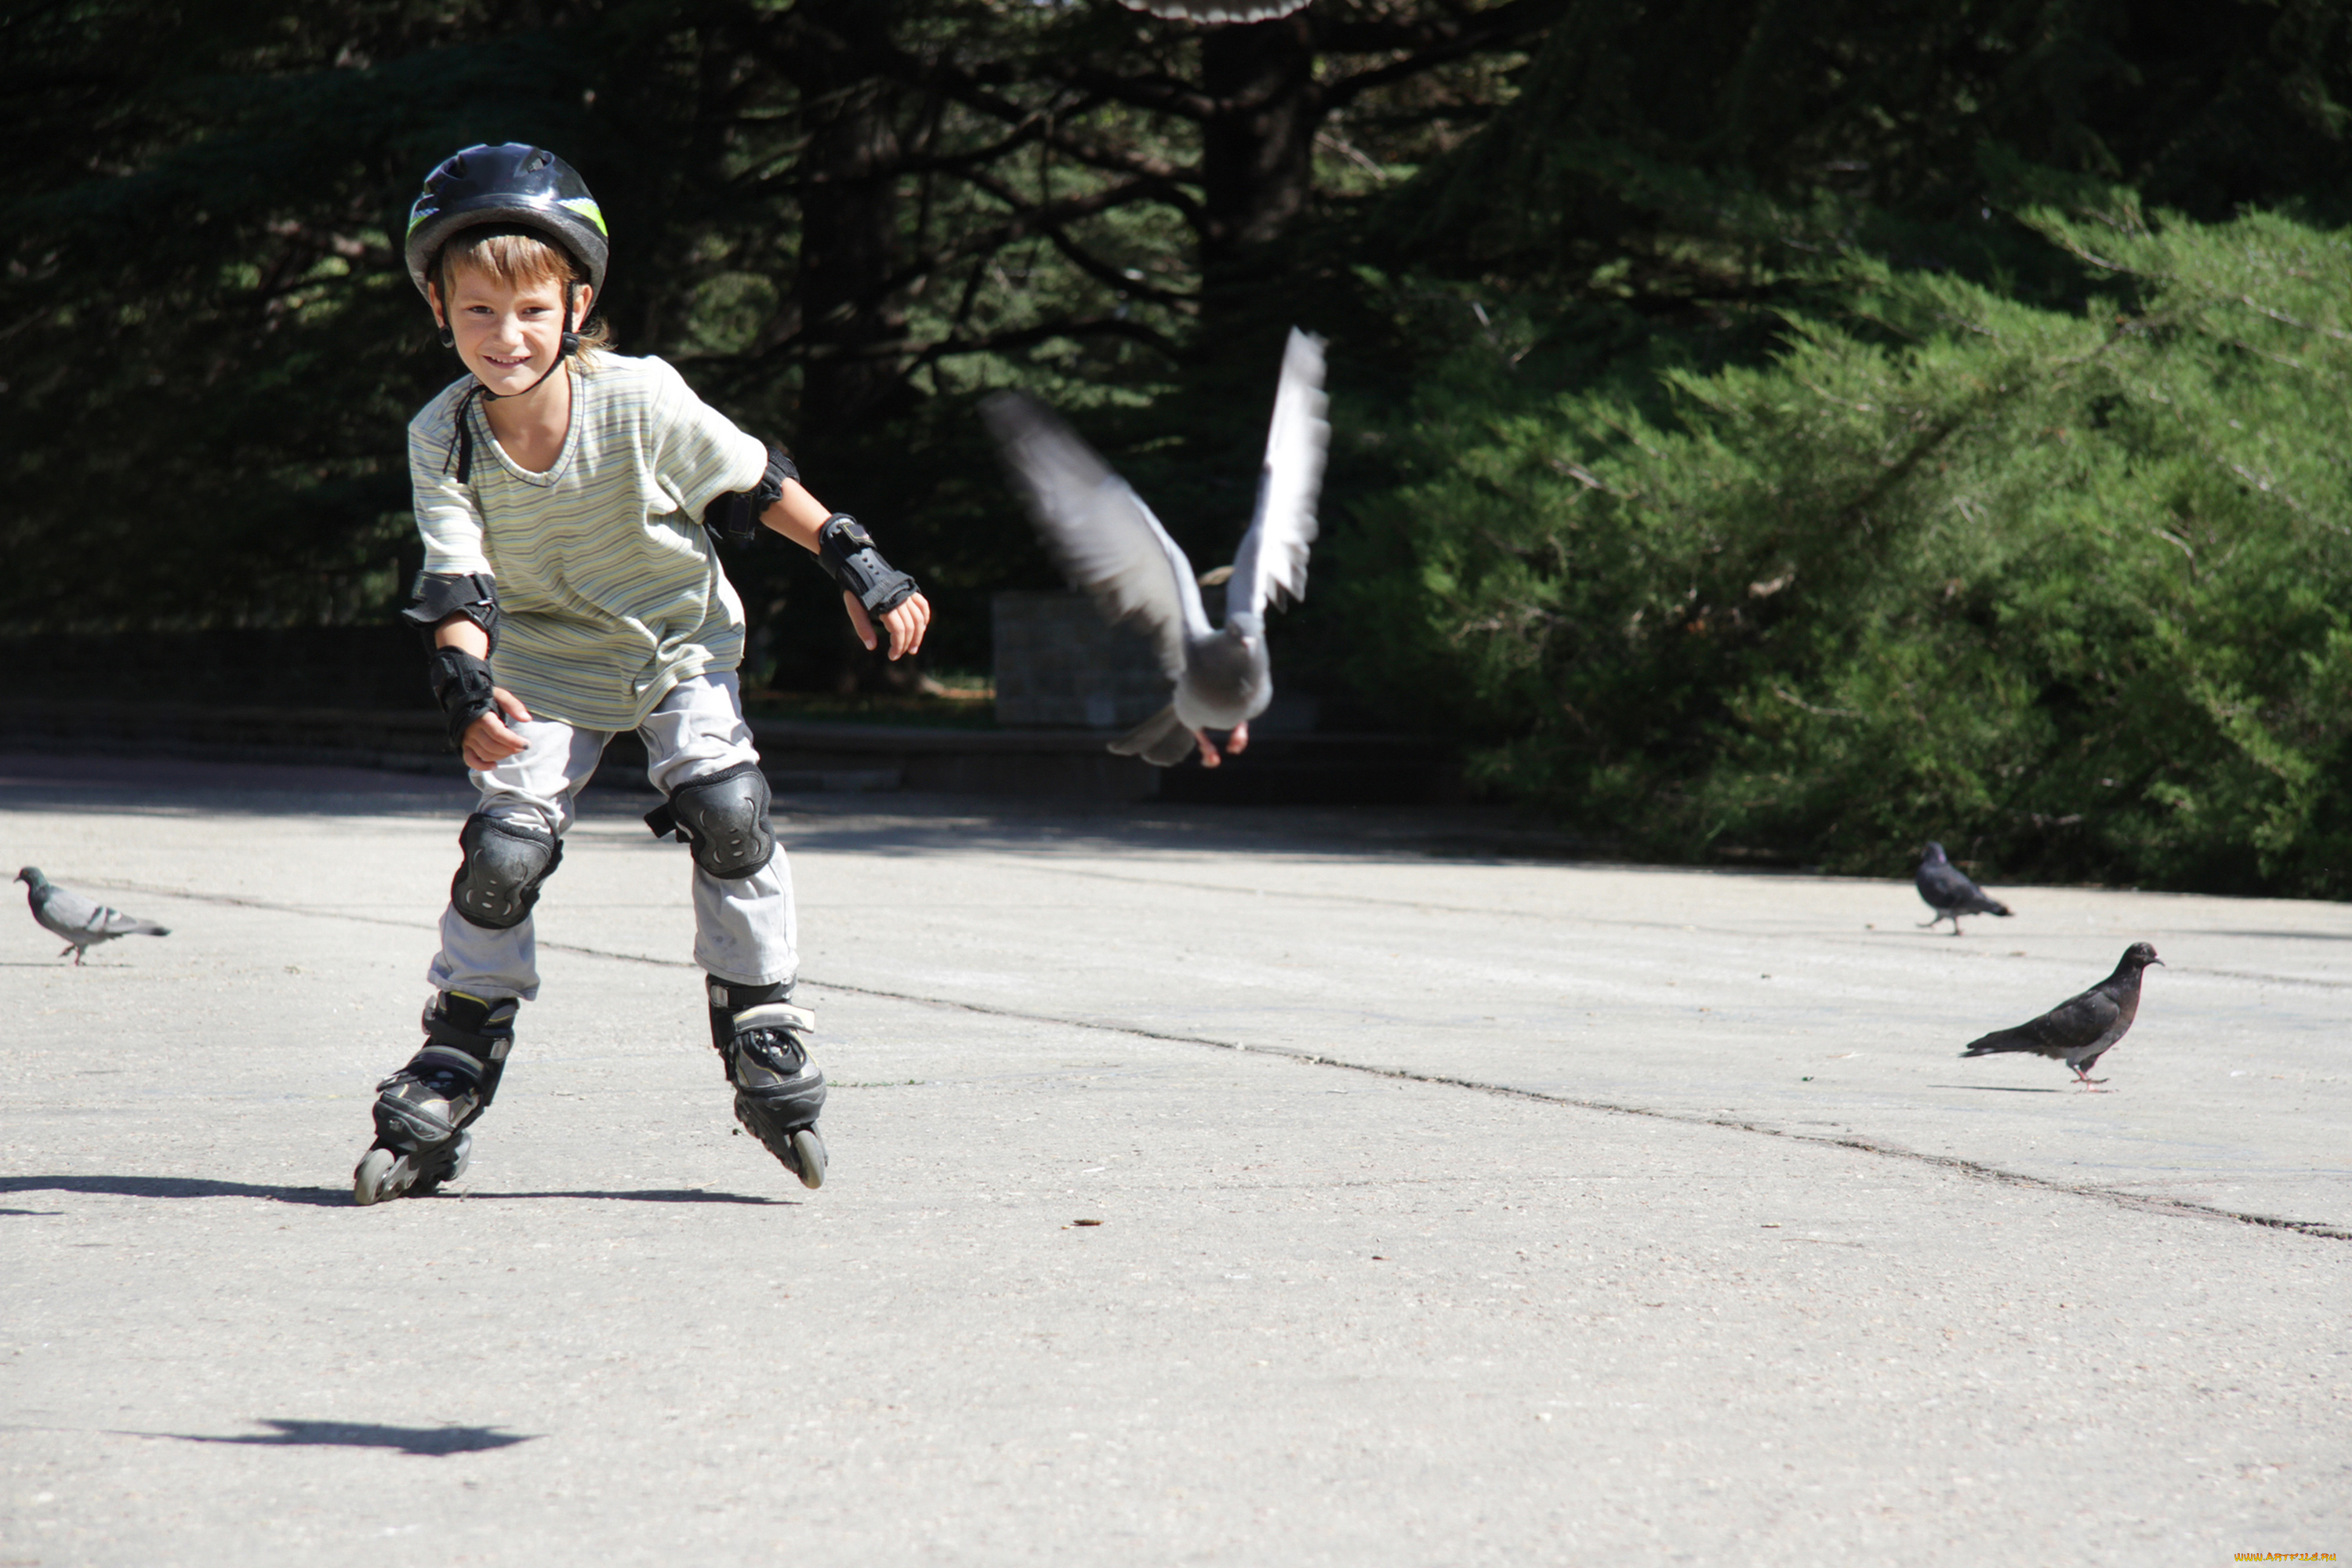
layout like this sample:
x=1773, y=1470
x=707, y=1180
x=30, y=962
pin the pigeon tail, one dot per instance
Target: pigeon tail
x=1161, y=740
x=2010, y=1040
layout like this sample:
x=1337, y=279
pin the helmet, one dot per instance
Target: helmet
x=511, y=183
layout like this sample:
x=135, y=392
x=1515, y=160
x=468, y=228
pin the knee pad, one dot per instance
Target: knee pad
x=499, y=881
x=724, y=818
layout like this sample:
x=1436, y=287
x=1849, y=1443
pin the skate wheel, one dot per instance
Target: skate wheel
x=808, y=1154
x=373, y=1182
x=461, y=1159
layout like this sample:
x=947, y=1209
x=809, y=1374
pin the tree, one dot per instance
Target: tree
x=2062, y=585
x=836, y=212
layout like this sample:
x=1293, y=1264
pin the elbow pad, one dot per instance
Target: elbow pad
x=847, y=553
x=735, y=516
x=440, y=594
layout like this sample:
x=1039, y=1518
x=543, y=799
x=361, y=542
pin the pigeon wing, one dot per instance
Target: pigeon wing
x=68, y=914
x=2067, y=1027
x=1097, y=528
x=1947, y=888
x=71, y=915
x=114, y=922
x=1270, y=567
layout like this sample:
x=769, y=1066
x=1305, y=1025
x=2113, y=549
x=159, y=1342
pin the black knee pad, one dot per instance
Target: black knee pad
x=499, y=881
x=724, y=818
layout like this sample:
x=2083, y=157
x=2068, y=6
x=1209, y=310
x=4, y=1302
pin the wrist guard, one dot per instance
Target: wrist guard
x=847, y=550
x=735, y=516
x=440, y=594
x=461, y=684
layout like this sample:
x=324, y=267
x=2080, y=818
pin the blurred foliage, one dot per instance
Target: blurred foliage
x=1636, y=310
x=2063, y=587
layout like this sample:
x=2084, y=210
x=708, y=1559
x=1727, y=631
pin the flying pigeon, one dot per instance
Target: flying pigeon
x=1949, y=892
x=2079, y=1032
x=1107, y=542
x=82, y=923
x=1217, y=10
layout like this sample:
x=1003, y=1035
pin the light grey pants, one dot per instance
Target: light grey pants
x=744, y=928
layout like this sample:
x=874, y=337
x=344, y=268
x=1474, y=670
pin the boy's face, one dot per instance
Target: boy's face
x=508, y=334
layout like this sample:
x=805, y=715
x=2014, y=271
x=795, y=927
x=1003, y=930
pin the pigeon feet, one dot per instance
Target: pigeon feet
x=1235, y=745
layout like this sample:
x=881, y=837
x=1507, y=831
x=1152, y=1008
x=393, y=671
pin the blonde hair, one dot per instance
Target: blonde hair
x=519, y=257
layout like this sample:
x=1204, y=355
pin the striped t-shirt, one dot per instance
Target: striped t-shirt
x=609, y=592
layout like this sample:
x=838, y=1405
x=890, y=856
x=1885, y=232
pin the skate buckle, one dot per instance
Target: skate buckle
x=776, y=1015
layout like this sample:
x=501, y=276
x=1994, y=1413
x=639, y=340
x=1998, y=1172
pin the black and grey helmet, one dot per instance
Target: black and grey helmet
x=511, y=183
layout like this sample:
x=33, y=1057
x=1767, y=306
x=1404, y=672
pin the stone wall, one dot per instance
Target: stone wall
x=1059, y=667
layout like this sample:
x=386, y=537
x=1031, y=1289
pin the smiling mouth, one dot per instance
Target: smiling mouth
x=506, y=363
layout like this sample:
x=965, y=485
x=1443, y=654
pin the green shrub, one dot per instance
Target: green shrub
x=2066, y=590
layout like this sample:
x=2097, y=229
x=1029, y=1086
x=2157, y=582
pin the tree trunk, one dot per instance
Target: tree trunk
x=849, y=220
x=1258, y=147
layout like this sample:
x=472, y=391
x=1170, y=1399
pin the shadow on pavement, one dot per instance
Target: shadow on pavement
x=426, y=1442
x=2286, y=935
x=650, y=1196
x=173, y=1187
x=327, y=1197
x=1995, y=1088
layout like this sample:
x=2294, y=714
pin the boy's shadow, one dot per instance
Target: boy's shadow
x=320, y=1197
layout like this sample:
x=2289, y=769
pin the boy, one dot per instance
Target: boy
x=569, y=592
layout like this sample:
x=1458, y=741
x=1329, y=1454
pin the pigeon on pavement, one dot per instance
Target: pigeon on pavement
x=2078, y=1032
x=82, y=923
x=1949, y=892
x=1107, y=542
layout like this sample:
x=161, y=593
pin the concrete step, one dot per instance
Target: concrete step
x=798, y=755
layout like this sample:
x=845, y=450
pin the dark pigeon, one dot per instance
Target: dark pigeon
x=2078, y=1032
x=82, y=923
x=1949, y=892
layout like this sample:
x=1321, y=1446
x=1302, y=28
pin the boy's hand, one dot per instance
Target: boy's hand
x=905, y=625
x=488, y=742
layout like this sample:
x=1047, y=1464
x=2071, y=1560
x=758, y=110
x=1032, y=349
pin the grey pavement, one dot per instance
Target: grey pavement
x=1456, y=1205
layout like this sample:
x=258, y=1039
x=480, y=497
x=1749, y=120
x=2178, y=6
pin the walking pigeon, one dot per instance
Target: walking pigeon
x=82, y=923
x=1949, y=892
x=1107, y=542
x=2078, y=1032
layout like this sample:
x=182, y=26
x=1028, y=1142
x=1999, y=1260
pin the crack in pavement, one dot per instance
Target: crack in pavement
x=1973, y=1168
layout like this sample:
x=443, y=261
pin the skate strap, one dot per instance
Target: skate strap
x=776, y=1015
x=454, y=1057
